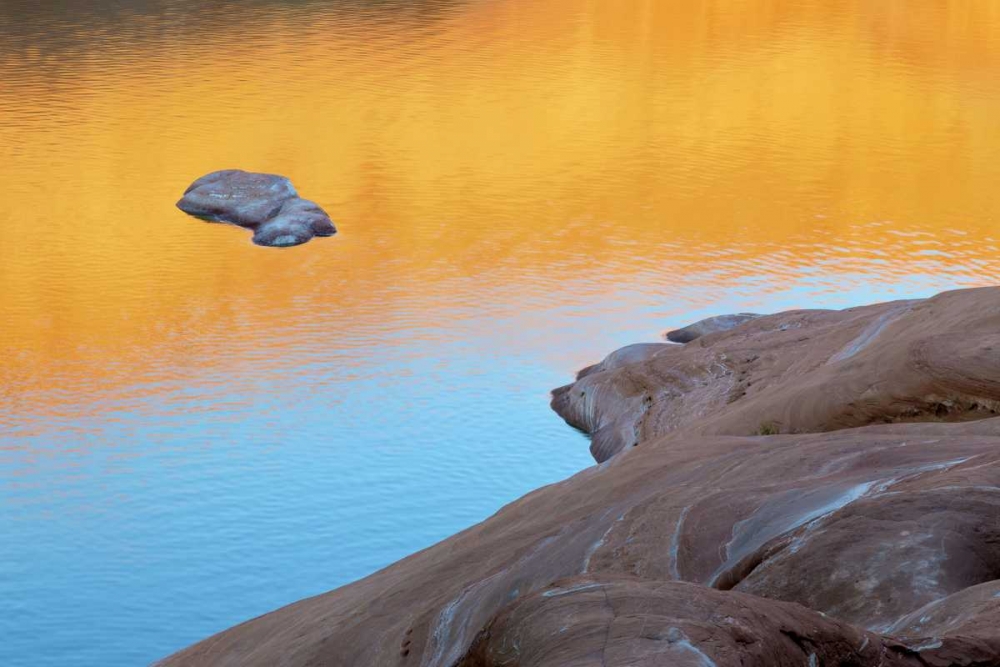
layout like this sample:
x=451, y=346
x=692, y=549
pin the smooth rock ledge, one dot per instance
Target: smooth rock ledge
x=810, y=489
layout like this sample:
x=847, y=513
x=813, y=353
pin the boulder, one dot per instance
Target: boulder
x=265, y=203
x=297, y=221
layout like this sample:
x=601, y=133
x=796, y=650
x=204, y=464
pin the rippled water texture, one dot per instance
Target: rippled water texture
x=195, y=430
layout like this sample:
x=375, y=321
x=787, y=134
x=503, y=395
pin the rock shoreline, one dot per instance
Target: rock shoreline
x=807, y=488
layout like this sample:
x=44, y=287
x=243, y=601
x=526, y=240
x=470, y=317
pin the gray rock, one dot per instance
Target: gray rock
x=235, y=196
x=265, y=203
x=709, y=326
x=296, y=222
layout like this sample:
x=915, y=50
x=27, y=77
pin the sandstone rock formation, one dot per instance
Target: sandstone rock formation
x=845, y=540
x=709, y=325
x=597, y=620
x=265, y=203
x=800, y=372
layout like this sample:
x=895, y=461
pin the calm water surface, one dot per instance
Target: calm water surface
x=195, y=430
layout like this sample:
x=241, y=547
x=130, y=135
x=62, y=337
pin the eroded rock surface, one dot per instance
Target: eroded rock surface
x=802, y=372
x=264, y=203
x=599, y=620
x=876, y=546
x=709, y=325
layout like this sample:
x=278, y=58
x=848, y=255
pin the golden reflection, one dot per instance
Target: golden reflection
x=518, y=144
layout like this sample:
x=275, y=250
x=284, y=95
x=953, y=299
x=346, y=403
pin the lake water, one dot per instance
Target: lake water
x=195, y=430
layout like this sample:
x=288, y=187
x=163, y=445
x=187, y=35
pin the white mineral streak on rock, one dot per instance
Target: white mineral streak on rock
x=675, y=544
x=872, y=331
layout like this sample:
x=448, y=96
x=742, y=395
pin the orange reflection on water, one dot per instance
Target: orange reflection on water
x=510, y=155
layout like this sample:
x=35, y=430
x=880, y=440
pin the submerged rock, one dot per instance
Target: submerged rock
x=707, y=546
x=265, y=203
x=709, y=326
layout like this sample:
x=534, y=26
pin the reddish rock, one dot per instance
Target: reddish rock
x=803, y=372
x=627, y=621
x=709, y=325
x=706, y=545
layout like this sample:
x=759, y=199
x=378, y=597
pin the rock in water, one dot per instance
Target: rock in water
x=265, y=203
x=297, y=221
x=709, y=326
